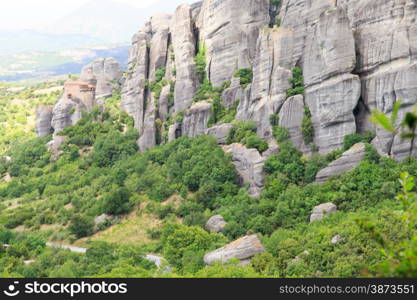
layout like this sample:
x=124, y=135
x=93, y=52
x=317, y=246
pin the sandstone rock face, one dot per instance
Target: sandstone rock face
x=356, y=56
x=196, y=119
x=271, y=75
x=184, y=43
x=243, y=249
x=220, y=132
x=233, y=93
x=332, y=103
x=43, y=121
x=230, y=29
x=322, y=211
x=291, y=116
x=159, y=43
x=133, y=91
x=216, y=224
x=249, y=165
x=148, y=138
x=349, y=161
x=107, y=74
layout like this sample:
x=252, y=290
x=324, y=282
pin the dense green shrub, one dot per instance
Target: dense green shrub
x=81, y=226
x=307, y=127
x=245, y=75
x=297, y=82
x=355, y=138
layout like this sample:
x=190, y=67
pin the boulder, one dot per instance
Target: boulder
x=349, y=161
x=243, y=249
x=216, y=224
x=159, y=262
x=54, y=145
x=196, y=119
x=103, y=218
x=249, y=165
x=322, y=211
x=220, y=132
x=336, y=239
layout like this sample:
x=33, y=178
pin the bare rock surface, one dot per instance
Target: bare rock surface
x=321, y=211
x=216, y=224
x=349, y=161
x=243, y=249
x=249, y=165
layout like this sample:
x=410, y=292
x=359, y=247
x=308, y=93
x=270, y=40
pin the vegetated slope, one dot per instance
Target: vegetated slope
x=18, y=103
x=100, y=171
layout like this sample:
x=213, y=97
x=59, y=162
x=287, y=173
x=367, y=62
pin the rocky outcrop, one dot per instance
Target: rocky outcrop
x=229, y=30
x=356, y=56
x=243, y=249
x=321, y=211
x=332, y=103
x=349, y=161
x=271, y=75
x=43, y=125
x=185, y=47
x=216, y=224
x=78, y=97
x=196, y=119
x=249, y=165
x=291, y=116
x=107, y=75
x=220, y=132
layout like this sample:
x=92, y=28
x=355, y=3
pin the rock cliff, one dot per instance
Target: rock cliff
x=355, y=56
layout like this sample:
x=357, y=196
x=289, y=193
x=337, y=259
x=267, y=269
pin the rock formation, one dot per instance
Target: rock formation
x=349, y=161
x=216, y=224
x=106, y=73
x=249, y=165
x=355, y=56
x=243, y=249
x=43, y=121
x=321, y=211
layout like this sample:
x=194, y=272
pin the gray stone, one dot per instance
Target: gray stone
x=44, y=121
x=332, y=103
x=243, y=249
x=271, y=75
x=103, y=218
x=349, y=161
x=220, y=132
x=322, y=211
x=184, y=43
x=249, y=165
x=336, y=239
x=196, y=119
x=230, y=30
x=216, y=224
x=291, y=117
x=107, y=74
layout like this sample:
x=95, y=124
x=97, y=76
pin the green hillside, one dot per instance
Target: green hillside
x=162, y=199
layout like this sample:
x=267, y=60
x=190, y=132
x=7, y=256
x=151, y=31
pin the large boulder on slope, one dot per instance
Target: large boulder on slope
x=243, y=249
x=349, y=161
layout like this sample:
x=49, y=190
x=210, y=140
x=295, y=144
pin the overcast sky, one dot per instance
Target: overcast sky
x=18, y=14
